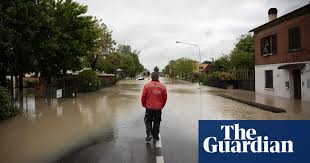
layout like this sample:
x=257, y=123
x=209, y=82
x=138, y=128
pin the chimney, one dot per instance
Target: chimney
x=272, y=13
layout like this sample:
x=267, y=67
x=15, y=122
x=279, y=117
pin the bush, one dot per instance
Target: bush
x=88, y=81
x=7, y=108
x=216, y=79
x=203, y=79
x=31, y=83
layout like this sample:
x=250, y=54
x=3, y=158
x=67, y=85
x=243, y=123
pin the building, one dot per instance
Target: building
x=200, y=67
x=282, y=55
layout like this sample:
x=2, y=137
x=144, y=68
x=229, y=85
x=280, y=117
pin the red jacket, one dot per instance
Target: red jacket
x=154, y=95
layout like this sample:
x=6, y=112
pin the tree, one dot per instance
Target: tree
x=180, y=67
x=50, y=37
x=242, y=56
x=64, y=34
x=220, y=64
x=19, y=26
x=131, y=65
x=124, y=58
x=104, y=45
x=75, y=36
x=111, y=62
x=45, y=36
x=166, y=70
x=88, y=81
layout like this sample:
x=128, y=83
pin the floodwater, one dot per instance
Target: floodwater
x=79, y=129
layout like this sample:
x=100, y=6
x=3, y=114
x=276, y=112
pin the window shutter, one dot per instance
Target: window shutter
x=297, y=37
x=290, y=39
x=262, y=46
x=294, y=38
x=274, y=43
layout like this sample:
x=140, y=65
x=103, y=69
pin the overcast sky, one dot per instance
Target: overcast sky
x=154, y=26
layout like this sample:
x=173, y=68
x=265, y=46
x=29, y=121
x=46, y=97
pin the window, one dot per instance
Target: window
x=269, y=45
x=268, y=79
x=294, y=39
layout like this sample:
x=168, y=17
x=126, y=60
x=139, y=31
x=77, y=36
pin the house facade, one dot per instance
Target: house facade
x=282, y=55
x=200, y=67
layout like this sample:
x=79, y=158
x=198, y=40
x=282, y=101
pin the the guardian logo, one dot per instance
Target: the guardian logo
x=240, y=140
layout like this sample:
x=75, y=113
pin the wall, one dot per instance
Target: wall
x=305, y=82
x=282, y=55
x=280, y=76
x=279, y=79
x=197, y=69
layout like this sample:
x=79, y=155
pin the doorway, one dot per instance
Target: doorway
x=297, y=84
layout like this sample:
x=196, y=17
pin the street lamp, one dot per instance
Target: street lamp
x=179, y=42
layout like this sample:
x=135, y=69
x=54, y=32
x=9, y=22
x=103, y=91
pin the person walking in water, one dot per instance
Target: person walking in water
x=154, y=97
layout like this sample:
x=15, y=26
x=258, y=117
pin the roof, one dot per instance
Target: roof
x=301, y=11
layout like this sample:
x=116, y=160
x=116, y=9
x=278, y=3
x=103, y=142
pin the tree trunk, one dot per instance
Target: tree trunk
x=3, y=79
x=93, y=63
x=20, y=82
x=12, y=88
x=20, y=88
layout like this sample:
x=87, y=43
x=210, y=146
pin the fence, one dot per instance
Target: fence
x=242, y=74
x=243, y=79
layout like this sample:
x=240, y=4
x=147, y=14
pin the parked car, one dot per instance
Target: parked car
x=140, y=78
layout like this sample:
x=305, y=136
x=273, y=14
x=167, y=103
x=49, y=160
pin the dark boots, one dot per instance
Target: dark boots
x=148, y=137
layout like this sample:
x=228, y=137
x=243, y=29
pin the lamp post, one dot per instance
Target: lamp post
x=179, y=42
x=196, y=45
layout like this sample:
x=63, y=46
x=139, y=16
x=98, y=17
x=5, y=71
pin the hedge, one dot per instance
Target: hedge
x=7, y=108
x=88, y=81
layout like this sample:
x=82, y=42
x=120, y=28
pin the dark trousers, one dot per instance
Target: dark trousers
x=152, y=121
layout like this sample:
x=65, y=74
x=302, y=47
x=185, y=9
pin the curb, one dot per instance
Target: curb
x=259, y=105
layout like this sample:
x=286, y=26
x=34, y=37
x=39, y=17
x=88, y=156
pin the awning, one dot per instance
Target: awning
x=292, y=66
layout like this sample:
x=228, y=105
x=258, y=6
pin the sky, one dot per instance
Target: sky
x=154, y=26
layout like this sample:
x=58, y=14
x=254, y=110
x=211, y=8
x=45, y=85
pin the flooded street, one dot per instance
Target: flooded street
x=107, y=125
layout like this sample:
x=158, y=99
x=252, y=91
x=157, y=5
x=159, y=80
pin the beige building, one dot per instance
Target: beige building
x=200, y=67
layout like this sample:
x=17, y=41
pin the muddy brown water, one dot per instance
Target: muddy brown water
x=50, y=128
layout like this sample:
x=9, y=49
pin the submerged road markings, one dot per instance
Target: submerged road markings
x=160, y=158
x=158, y=143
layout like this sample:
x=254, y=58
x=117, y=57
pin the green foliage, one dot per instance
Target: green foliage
x=241, y=57
x=123, y=58
x=49, y=37
x=220, y=64
x=7, y=108
x=181, y=67
x=88, y=81
x=52, y=36
x=69, y=36
x=104, y=46
x=130, y=63
x=223, y=76
x=215, y=78
x=19, y=24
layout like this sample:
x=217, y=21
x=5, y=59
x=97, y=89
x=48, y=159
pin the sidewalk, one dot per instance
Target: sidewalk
x=268, y=102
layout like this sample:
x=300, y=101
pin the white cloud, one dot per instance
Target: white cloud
x=153, y=27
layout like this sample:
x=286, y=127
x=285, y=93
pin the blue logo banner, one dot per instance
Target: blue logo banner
x=254, y=141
